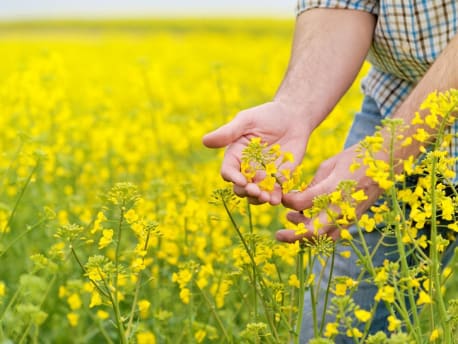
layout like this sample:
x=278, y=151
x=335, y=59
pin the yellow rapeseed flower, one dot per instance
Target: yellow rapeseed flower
x=200, y=335
x=185, y=295
x=332, y=329
x=435, y=334
x=268, y=183
x=345, y=235
x=393, y=323
x=2, y=289
x=294, y=281
x=102, y=315
x=106, y=239
x=363, y=315
x=74, y=301
x=146, y=337
x=73, y=319
x=385, y=293
x=354, y=333
x=424, y=298
x=366, y=222
x=143, y=308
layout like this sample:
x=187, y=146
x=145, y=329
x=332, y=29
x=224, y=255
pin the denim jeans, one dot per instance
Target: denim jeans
x=364, y=124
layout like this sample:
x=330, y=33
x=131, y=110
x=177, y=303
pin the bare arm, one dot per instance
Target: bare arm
x=329, y=47
x=442, y=76
x=328, y=50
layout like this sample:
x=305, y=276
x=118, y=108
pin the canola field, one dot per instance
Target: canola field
x=110, y=227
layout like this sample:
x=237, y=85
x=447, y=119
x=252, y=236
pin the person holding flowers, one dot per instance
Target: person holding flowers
x=413, y=50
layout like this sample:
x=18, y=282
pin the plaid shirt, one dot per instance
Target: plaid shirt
x=409, y=35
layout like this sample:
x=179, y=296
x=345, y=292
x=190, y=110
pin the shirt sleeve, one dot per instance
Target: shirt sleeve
x=370, y=6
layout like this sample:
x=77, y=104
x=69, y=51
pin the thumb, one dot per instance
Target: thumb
x=226, y=134
x=288, y=235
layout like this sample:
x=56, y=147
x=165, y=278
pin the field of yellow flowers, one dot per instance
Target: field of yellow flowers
x=110, y=228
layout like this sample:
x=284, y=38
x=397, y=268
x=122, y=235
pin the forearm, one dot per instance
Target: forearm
x=442, y=75
x=328, y=50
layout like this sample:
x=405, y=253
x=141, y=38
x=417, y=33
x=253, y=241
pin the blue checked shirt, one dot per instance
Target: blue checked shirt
x=409, y=35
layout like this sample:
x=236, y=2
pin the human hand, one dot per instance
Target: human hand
x=274, y=123
x=327, y=178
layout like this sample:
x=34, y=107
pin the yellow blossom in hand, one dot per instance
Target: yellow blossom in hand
x=354, y=167
x=247, y=171
x=271, y=169
x=288, y=157
x=417, y=119
x=407, y=141
x=359, y=195
x=268, y=183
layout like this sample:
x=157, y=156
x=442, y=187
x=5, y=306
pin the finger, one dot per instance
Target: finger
x=297, y=217
x=254, y=201
x=240, y=190
x=230, y=168
x=288, y=235
x=304, y=199
x=275, y=196
x=226, y=134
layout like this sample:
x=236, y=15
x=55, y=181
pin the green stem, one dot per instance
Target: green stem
x=117, y=253
x=10, y=303
x=253, y=262
x=301, y=276
x=94, y=283
x=29, y=325
x=18, y=200
x=328, y=290
x=20, y=236
x=215, y=315
x=414, y=328
x=312, y=296
x=435, y=277
x=253, y=248
x=117, y=312
x=137, y=289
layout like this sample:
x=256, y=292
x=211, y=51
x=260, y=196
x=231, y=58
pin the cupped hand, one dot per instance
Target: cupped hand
x=274, y=123
x=327, y=178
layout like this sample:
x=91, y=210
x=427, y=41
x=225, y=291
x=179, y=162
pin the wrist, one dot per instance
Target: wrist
x=302, y=114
